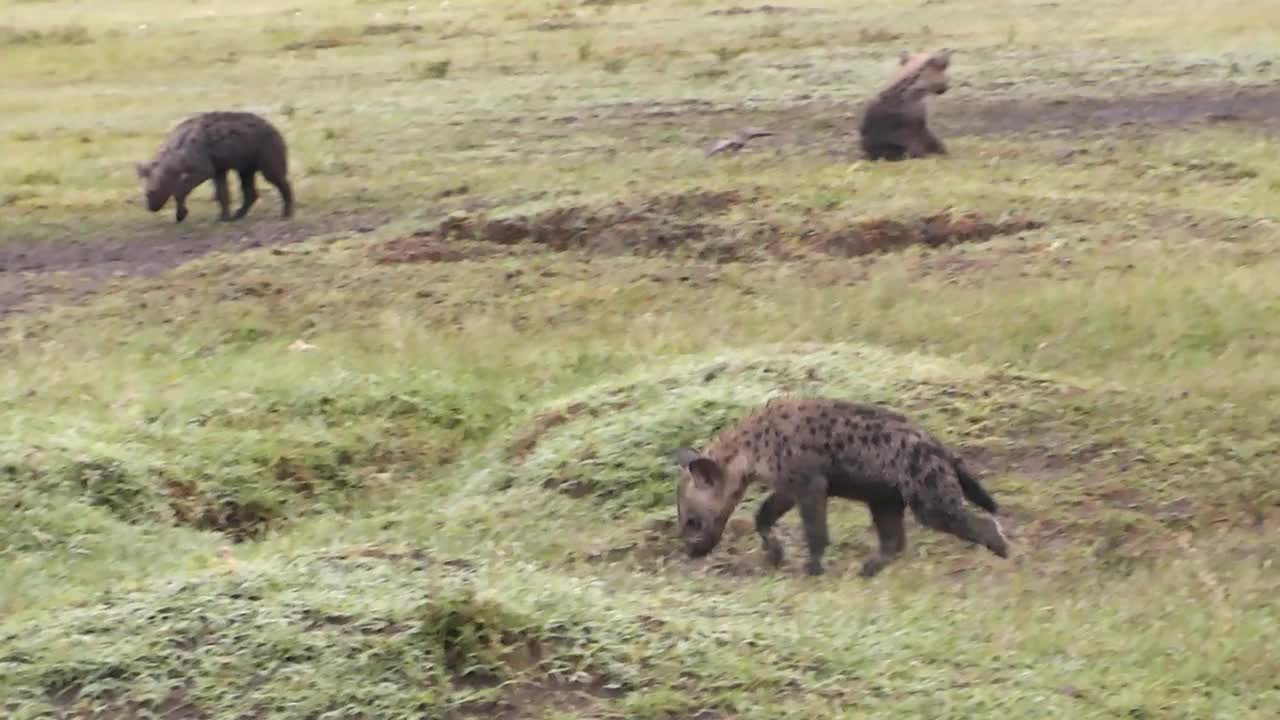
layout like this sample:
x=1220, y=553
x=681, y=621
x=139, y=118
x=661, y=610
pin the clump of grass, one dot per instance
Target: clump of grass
x=70, y=34
x=711, y=73
x=391, y=28
x=326, y=39
x=614, y=65
x=613, y=442
x=727, y=54
x=385, y=632
x=433, y=70
x=39, y=177
x=872, y=36
x=585, y=51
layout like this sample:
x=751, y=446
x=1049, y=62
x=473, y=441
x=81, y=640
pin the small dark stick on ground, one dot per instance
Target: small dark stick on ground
x=737, y=142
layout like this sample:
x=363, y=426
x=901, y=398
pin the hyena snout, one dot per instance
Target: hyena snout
x=700, y=536
x=156, y=201
x=699, y=543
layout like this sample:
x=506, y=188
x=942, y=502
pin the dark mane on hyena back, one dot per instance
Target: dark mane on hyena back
x=895, y=123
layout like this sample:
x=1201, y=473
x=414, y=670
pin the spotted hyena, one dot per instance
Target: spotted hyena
x=894, y=124
x=807, y=450
x=210, y=145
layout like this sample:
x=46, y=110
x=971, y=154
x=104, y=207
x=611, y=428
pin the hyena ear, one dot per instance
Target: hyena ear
x=685, y=455
x=904, y=57
x=942, y=58
x=705, y=470
x=143, y=170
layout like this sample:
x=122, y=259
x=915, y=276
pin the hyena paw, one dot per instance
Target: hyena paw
x=872, y=567
x=813, y=567
x=773, y=552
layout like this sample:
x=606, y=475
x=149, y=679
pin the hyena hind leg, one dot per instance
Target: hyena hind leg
x=276, y=176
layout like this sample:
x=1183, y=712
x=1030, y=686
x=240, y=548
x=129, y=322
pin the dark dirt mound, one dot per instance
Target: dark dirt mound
x=668, y=224
x=77, y=267
x=943, y=228
x=760, y=10
x=427, y=248
x=652, y=225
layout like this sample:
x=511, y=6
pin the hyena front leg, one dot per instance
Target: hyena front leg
x=187, y=182
x=773, y=508
x=813, y=511
x=888, y=518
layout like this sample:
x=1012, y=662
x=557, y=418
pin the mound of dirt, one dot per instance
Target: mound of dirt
x=655, y=224
x=683, y=223
x=759, y=10
x=939, y=229
x=426, y=248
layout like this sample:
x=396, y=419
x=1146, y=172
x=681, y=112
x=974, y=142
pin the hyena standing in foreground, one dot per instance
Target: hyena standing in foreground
x=210, y=145
x=894, y=124
x=807, y=450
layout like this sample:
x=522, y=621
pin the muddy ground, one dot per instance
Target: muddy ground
x=34, y=275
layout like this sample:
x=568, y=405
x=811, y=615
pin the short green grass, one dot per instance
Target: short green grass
x=304, y=482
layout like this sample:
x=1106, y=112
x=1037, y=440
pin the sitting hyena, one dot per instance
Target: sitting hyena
x=807, y=450
x=210, y=145
x=894, y=123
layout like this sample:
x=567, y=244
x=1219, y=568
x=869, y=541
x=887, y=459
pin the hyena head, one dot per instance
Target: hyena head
x=158, y=182
x=703, y=502
x=920, y=74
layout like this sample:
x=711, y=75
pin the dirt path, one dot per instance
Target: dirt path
x=814, y=124
x=1246, y=106
x=35, y=274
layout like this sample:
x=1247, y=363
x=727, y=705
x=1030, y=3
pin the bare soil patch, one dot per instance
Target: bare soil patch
x=766, y=9
x=1246, y=106
x=939, y=229
x=33, y=273
x=831, y=127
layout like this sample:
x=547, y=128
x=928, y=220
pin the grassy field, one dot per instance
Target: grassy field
x=408, y=454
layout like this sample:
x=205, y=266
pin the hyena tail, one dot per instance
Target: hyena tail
x=973, y=489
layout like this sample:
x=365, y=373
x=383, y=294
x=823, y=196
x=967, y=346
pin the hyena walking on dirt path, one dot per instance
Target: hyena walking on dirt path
x=210, y=145
x=895, y=123
x=807, y=450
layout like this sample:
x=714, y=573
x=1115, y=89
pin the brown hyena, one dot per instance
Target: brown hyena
x=894, y=124
x=210, y=145
x=807, y=450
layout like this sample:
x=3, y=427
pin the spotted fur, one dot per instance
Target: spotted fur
x=809, y=449
x=210, y=145
x=895, y=123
